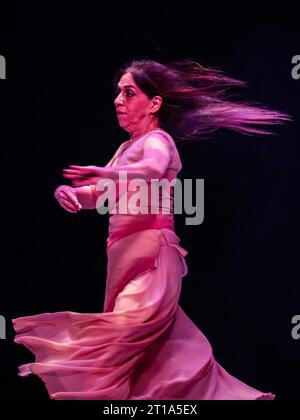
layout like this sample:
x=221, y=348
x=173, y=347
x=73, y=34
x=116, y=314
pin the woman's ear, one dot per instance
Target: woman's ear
x=156, y=104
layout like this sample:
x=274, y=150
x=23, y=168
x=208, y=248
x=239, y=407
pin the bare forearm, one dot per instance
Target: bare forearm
x=86, y=196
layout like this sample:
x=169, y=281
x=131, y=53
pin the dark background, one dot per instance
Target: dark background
x=242, y=289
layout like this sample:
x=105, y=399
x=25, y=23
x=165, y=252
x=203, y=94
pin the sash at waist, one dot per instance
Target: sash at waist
x=123, y=225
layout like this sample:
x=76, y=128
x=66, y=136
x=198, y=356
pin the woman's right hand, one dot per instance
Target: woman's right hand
x=66, y=196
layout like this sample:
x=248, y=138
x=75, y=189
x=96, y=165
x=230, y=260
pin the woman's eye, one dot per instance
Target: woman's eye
x=117, y=92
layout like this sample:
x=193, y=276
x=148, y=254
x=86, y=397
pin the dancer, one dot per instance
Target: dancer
x=142, y=345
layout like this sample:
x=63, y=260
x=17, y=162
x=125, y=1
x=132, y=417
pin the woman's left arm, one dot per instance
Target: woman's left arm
x=156, y=158
x=153, y=165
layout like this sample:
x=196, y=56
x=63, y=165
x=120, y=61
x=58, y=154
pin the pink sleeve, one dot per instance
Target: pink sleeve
x=157, y=155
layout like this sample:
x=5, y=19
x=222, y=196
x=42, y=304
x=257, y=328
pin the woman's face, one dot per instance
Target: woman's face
x=135, y=110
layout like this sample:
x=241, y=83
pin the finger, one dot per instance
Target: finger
x=72, y=176
x=67, y=205
x=66, y=208
x=65, y=195
x=79, y=167
x=71, y=197
x=73, y=171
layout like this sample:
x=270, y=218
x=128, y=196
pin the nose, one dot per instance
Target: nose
x=119, y=99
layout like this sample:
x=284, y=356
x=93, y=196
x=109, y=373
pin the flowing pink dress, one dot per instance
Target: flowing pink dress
x=142, y=346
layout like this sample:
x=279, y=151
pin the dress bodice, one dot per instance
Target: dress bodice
x=154, y=214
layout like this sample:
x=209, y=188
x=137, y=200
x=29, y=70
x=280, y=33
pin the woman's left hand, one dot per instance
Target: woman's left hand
x=83, y=175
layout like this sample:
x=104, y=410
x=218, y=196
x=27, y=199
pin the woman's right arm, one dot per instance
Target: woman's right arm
x=86, y=196
x=74, y=199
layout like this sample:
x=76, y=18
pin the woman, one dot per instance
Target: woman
x=143, y=345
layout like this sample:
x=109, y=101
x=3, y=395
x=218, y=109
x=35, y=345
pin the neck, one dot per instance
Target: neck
x=143, y=130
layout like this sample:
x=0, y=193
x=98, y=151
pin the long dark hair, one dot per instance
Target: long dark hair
x=194, y=100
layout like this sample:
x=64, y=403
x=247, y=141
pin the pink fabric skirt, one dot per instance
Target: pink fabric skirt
x=143, y=346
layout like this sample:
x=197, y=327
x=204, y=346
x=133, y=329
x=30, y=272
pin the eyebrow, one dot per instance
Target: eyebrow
x=126, y=86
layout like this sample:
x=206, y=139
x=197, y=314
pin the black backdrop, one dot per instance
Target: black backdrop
x=242, y=289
